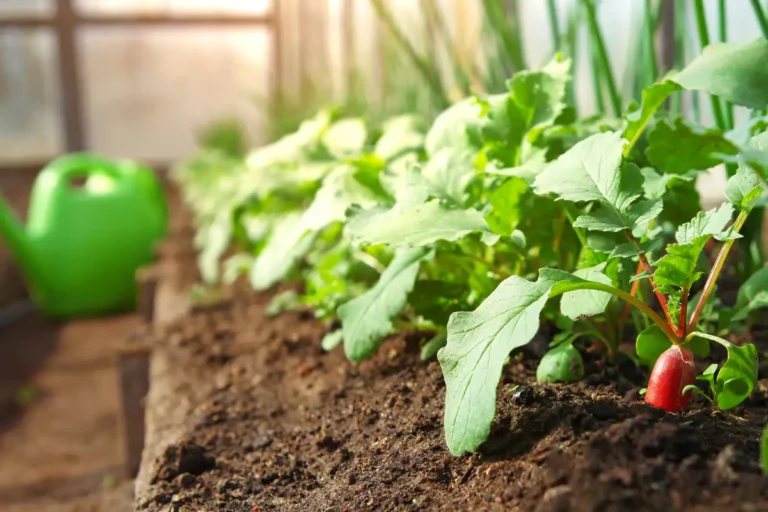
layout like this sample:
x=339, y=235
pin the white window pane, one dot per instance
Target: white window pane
x=26, y=8
x=190, y=7
x=29, y=103
x=148, y=92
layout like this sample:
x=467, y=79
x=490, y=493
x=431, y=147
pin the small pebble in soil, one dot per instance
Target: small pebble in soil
x=523, y=396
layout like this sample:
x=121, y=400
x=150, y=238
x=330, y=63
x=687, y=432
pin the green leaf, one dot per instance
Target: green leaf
x=289, y=241
x=515, y=120
x=650, y=344
x=448, y=172
x=708, y=375
x=401, y=135
x=676, y=268
x=478, y=344
x=737, y=73
x=540, y=94
x=332, y=340
x=738, y=376
x=589, y=171
x=764, y=451
x=655, y=185
x=680, y=148
x=368, y=318
x=612, y=220
x=653, y=97
x=346, y=137
x=293, y=236
x=584, y=303
x=216, y=239
x=417, y=225
x=592, y=171
x=561, y=364
x=452, y=127
x=629, y=250
x=430, y=348
x=743, y=188
x=704, y=225
x=507, y=207
x=753, y=295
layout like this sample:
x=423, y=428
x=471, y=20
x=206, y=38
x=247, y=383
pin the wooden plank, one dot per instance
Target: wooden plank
x=143, y=20
x=146, y=280
x=133, y=381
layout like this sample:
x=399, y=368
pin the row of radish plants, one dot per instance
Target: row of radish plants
x=507, y=211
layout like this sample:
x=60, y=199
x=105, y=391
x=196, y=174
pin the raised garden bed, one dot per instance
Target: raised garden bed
x=247, y=412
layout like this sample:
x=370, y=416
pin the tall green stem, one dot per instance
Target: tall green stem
x=760, y=15
x=571, y=37
x=651, y=62
x=722, y=33
x=429, y=73
x=554, y=25
x=680, y=33
x=701, y=25
x=709, y=286
x=507, y=30
x=602, y=54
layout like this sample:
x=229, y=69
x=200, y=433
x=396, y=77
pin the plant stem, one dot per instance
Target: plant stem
x=602, y=53
x=592, y=285
x=709, y=286
x=571, y=218
x=597, y=81
x=701, y=24
x=571, y=36
x=506, y=30
x=649, y=270
x=554, y=25
x=717, y=339
x=681, y=330
x=429, y=73
x=722, y=32
x=760, y=15
x=680, y=33
x=651, y=63
x=433, y=12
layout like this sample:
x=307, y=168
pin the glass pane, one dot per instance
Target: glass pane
x=147, y=93
x=29, y=103
x=26, y=8
x=189, y=7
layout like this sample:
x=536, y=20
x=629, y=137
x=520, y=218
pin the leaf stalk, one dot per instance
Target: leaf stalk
x=709, y=286
x=642, y=306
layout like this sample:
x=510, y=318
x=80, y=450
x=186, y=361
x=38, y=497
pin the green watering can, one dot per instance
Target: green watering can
x=83, y=243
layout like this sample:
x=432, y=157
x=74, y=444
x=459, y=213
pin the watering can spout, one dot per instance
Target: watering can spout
x=12, y=230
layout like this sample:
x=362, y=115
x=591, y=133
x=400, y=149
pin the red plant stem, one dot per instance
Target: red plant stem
x=709, y=286
x=649, y=270
x=682, y=327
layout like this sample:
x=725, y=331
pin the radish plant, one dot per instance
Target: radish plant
x=600, y=177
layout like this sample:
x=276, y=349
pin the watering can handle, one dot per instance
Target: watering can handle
x=64, y=168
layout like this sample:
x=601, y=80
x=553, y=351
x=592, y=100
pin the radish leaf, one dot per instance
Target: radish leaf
x=368, y=318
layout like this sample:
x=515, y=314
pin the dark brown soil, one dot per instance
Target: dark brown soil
x=284, y=426
x=59, y=443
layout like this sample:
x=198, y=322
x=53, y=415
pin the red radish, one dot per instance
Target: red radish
x=672, y=372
